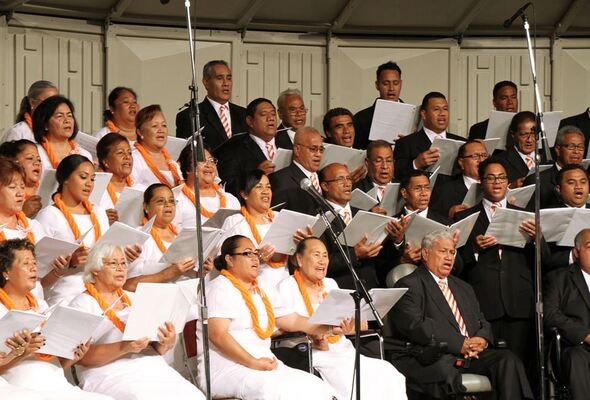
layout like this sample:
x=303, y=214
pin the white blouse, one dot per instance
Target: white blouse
x=143, y=175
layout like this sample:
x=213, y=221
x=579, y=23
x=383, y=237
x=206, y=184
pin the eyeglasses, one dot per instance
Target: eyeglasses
x=295, y=111
x=164, y=202
x=115, y=266
x=420, y=188
x=314, y=149
x=210, y=161
x=494, y=178
x=477, y=156
x=340, y=180
x=252, y=254
x=572, y=147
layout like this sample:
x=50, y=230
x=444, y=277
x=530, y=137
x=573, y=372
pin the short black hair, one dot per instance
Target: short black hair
x=253, y=105
x=104, y=145
x=431, y=95
x=405, y=182
x=502, y=84
x=113, y=96
x=389, y=65
x=148, y=195
x=461, y=151
x=570, y=167
x=228, y=247
x=377, y=144
x=44, y=112
x=8, y=249
x=519, y=118
x=334, y=112
x=13, y=148
x=248, y=180
x=481, y=169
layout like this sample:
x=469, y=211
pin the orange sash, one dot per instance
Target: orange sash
x=204, y=212
x=70, y=218
x=156, y=171
x=28, y=120
x=270, y=214
x=51, y=154
x=110, y=125
x=111, y=315
x=157, y=238
x=113, y=194
x=21, y=219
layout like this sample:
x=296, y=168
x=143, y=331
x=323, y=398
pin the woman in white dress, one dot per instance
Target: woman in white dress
x=212, y=196
x=125, y=370
x=55, y=129
x=39, y=372
x=333, y=356
x=23, y=128
x=8, y=391
x=151, y=161
x=254, y=221
x=241, y=322
x=25, y=153
x=69, y=217
x=120, y=117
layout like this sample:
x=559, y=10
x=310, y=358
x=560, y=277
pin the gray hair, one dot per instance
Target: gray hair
x=286, y=93
x=208, y=68
x=95, y=257
x=431, y=238
x=38, y=87
x=568, y=129
x=578, y=238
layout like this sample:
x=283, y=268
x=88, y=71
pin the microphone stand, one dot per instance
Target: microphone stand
x=359, y=293
x=197, y=150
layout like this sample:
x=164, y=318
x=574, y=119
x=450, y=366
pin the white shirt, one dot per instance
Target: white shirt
x=302, y=168
x=437, y=279
x=586, y=276
x=524, y=156
x=262, y=144
x=217, y=106
x=487, y=206
x=423, y=213
x=19, y=131
x=432, y=134
x=339, y=209
x=468, y=181
x=46, y=162
x=377, y=191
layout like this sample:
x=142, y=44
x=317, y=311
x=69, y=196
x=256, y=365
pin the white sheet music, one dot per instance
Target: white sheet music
x=283, y=158
x=88, y=143
x=48, y=249
x=551, y=120
x=130, y=206
x=505, y=224
x=362, y=200
x=123, y=235
x=15, y=321
x=473, y=196
x=280, y=233
x=101, y=181
x=498, y=127
x=579, y=221
x=448, y=149
x=175, y=145
x=391, y=119
x=554, y=222
x=47, y=186
x=371, y=224
x=420, y=227
x=520, y=196
x=353, y=158
x=185, y=244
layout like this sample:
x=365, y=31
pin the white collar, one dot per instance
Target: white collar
x=586, y=277
x=437, y=279
x=302, y=168
x=487, y=206
x=423, y=213
x=217, y=105
x=524, y=156
x=338, y=208
x=432, y=134
x=468, y=181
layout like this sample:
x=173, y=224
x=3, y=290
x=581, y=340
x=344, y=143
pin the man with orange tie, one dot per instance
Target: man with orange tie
x=379, y=164
x=520, y=158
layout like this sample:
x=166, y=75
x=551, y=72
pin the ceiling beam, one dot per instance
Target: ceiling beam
x=11, y=5
x=568, y=17
x=248, y=13
x=469, y=16
x=119, y=9
x=345, y=14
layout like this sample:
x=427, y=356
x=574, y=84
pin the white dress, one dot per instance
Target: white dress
x=56, y=226
x=185, y=209
x=99, y=134
x=141, y=376
x=11, y=392
x=268, y=277
x=46, y=377
x=143, y=175
x=230, y=379
x=46, y=163
x=19, y=131
x=379, y=379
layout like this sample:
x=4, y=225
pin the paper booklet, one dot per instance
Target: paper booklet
x=217, y=220
x=16, y=320
x=123, y=235
x=353, y=158
x=505, y=224
x=88, y=143
x=433, y=177
x=185, y=244
x=551, y=120
x=498, y=127
x=392, y=202
x=520, y=196
x=555, y=221
x=579, y=221
x=101, y=181
x=491, y=145
x=282, y=159
x=362, y=200
x=48, y=249
x=280, y=233
x=420, y=227
x=130, y=206
x=392, y=118
x=448, y=150
x=364, y=222
x=175, y=145
x=47, y=186
x=542, y=168
x=473, y=196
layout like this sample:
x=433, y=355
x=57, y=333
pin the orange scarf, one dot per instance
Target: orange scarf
x=112, y=315
x=21, y=219
x=157, y=238
x=70, y=218
x=301, y=285
x=111, y=126
x=28, y=120
x=204, y=212
x=156, y=171
x=270, y=214
x=9, y=304
x=262, y=334
x=49, y=150
x=111, y=189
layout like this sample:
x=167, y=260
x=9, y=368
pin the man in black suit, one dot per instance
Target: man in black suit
x=293, y=115
x=217, y=79
x=582, y=121
x=567, y=307
x=307, y=156
x=447, y=197
x=439, y=307
x=379, y=165
x=255, y=150
x=504, y=98
x=414, y=151
x=520, y=157
x=569, y=149
x=389, y=85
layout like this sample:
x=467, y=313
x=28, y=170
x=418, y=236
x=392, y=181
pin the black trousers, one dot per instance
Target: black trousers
x=576, y=365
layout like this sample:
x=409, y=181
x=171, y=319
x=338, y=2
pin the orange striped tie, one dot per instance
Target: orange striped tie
x=270, y=150
x=346, y=217
x=381, y=190
x=446, y=291
x=529, y=162
x=315, y=182
x=224, y=122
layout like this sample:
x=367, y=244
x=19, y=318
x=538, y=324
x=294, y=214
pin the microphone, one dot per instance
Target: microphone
x=509, y=21
x=306, y=185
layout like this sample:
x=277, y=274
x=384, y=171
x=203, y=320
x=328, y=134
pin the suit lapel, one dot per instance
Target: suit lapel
x=213, y=118
x=517, y=162
x=580, y=283
x=437, y=297
x=253, y=148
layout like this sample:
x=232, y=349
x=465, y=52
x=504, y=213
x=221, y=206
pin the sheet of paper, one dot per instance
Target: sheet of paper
x=371, y=224
x=551, y=120
x=420, y=227
x=14, y=321
x=520, y=196
x=101, y=181
x=362, y=200
x=498, y=127
x=448, y=150
x=504, y=227
x=491, y=144
x=554, y=222
x=217, y=220
x=189, y=288
x=153, y=305
x=47, y=186
x=283, y=158
x=465, y=226
x=123, y=235
x=186, y=244
x=48, y=249
x=130, y=206
x=433, y=177
x=542, y=168
x=175, y=145
x=391, y=199
x=579, y=221
x=473, y=196
x=391, y=119
x=353, y=158
x=340, y=305
x=320, y=227
x=280, y=233
x=88, y=143
x=585, y=163
x=147, y=227
x=66, y=328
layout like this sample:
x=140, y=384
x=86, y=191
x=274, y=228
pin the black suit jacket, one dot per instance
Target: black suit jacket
x=516, y=166
x=286, y=188
x=582, y=121
x=213, y=133
x=362, y=127
x=567, y=304
x=478, y=130
x=548, y=181
x=282, y=140
x=447, y=194
x=408, y=148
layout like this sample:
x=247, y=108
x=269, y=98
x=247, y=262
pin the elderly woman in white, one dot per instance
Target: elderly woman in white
x=130, y=370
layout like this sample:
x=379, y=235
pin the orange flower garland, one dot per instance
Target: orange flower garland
x=111, y=126
x=28, y=120
x=270, y=214
x=155, y=170
x=21, y=219
x=111, y=189
x=51, y=154
x=262, y=334
x=204, y=212
x=157, y=238
x=104, y=306
x=70, y=218
x=301, y=285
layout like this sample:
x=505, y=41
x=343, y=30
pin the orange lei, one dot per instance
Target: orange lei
x=49, y=150
x=270, y=214
x=111, y=126
x=204, y=212
x=22, y=219
x=157, y=238
x=262, y=334
x=70, y=218
x=28, y=120
x=9, y=304
x=104, y=306
x=156, y=171
x=301, y=285
x=111, y=189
